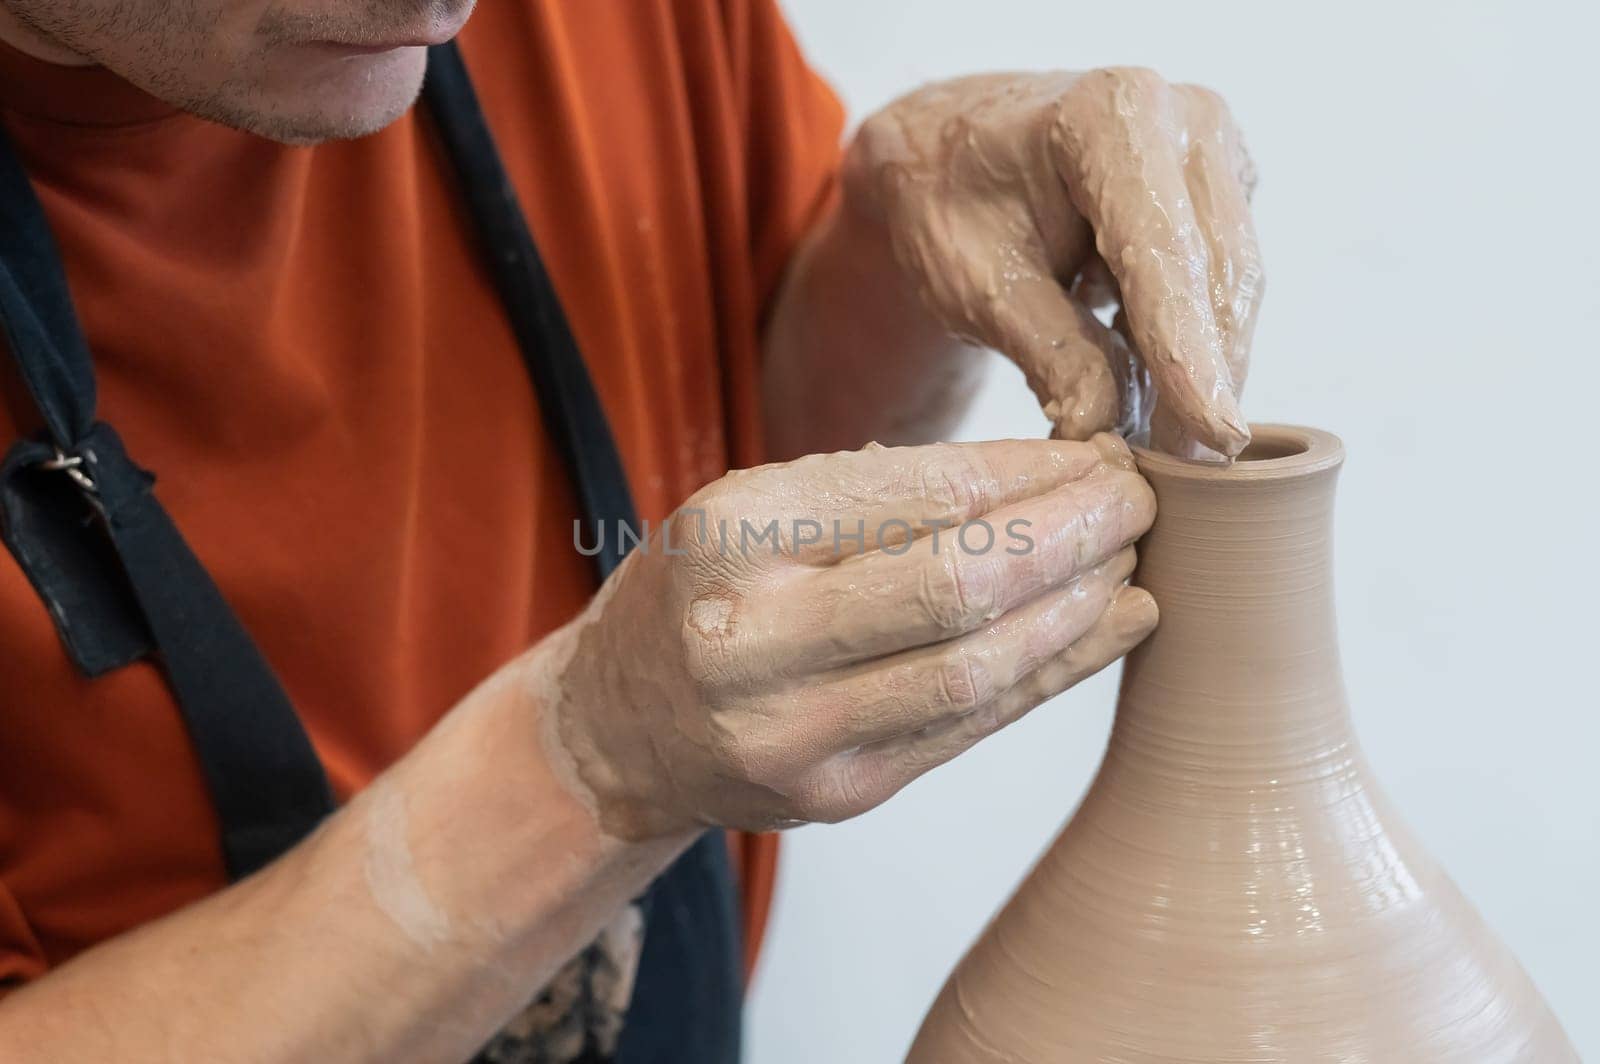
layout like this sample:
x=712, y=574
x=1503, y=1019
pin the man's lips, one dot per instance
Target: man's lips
x=377, y=49
x=437, y=32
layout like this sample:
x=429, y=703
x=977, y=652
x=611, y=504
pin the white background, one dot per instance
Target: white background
x=1427, y=214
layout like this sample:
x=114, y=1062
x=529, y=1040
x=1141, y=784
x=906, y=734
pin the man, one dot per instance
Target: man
x=291, y=326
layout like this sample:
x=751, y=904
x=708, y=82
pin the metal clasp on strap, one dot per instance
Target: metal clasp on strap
x=72, y=466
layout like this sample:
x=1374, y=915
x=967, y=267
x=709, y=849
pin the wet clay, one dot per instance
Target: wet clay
x=1235, y=887
x=809, y=676
x=391, y=871
x=1019, y=204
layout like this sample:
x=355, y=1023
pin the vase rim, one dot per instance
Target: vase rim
x=1275, y=452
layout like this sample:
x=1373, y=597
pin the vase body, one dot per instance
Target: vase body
x=1234, y=887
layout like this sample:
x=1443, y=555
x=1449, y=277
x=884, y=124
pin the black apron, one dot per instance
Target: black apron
x=121, y=584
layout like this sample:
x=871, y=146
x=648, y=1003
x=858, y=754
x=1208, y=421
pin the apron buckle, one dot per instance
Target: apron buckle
x=72, y=466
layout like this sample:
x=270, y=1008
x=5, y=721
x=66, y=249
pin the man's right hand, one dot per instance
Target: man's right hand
x=809, y=675
x=739, y=687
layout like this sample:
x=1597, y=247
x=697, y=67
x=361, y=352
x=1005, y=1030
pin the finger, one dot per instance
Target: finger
x=831, y=507
x=1115, y=143
x=943, y=587
x=892, y=696
x=854, y=783
x=1012, y=301
x=1066, y=355
x=1218, y=170
x=1096, y=288
x=1220, y=176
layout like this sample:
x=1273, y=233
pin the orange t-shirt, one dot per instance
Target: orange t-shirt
x=303, y=346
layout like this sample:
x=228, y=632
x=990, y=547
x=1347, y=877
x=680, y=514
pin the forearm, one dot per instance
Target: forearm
x=408, y=927
x=851, y=353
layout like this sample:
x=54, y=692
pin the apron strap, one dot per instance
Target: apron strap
x=115, y=573
x=687, y=995
x=567, y=398
x=132, y=588
x=36, y=310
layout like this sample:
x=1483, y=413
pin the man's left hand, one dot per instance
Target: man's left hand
x=1020, y=204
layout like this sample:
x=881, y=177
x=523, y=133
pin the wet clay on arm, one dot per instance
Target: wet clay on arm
x=411, y=925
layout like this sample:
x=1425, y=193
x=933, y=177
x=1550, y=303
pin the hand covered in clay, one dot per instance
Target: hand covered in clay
x=1019, y=204
x=760, y=676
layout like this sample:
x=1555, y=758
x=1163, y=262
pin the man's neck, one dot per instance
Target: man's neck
x=30, y=42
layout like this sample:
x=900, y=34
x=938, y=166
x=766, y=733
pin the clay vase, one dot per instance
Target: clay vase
x=1234, y=886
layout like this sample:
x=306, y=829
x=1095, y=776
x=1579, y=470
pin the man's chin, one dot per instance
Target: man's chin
x=322, y=96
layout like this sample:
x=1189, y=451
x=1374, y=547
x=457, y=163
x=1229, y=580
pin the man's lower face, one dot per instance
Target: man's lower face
x=294, y=70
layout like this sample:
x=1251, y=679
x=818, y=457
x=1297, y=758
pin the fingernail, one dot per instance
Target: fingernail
x=1137, y=615
x=1113, y=450
x=1236, y=434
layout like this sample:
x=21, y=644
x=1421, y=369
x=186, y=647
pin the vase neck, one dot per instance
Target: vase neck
x=1240, y=683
